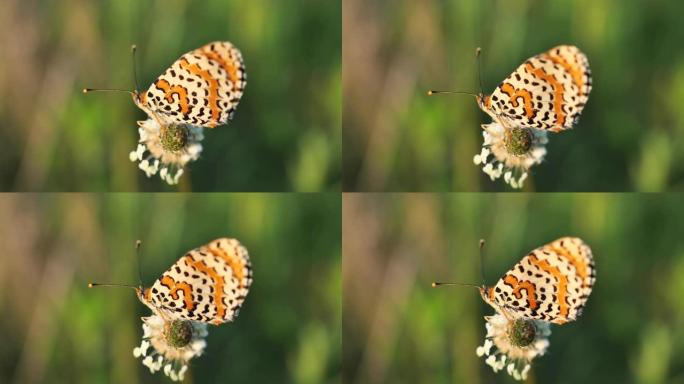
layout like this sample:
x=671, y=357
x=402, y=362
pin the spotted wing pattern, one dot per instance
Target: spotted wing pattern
x=203, y=87
x=551, y=283
x=548, y=91
x=208, y=284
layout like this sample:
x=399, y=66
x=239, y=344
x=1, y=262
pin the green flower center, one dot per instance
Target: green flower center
x=522, y=332
x=518, y=141
x=178, y=333
x=174, y=137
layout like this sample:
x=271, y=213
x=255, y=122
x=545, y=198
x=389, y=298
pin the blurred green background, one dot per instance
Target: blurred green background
x=398, y=329
x=286, y=132
x=56, y=330
x=396, y=138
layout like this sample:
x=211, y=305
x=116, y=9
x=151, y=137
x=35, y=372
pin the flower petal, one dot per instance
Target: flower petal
x=525, y=370
x=181, y=373
x=488, y=345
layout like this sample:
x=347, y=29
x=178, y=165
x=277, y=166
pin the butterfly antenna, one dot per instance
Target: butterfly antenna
x=135, y=76
x=482, y=274
x=86, y=90
x=436, y=284
x=479, y=69
x=138, y=245
x=431, y=92
x=135, y=71
x=479, y=78
x=93, y=285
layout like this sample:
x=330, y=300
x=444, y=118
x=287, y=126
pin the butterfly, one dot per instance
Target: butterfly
x=548, y=91
x=552, y=283
x=208, y=284
x=202, y=88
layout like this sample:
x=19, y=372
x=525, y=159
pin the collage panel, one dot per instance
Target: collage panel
x=286, y=275
x=305, y=191
x=584, y=96
x=617, y=260
x=227, y=96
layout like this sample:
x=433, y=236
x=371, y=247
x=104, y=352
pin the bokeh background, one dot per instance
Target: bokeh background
x=285, y=135
x=631, y=133
x=56, y=330
x=398, y=329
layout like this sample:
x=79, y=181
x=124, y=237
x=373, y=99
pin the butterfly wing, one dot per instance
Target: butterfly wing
x=203, y=87
x=208, y=284
x=548, y=91
x=551, y=283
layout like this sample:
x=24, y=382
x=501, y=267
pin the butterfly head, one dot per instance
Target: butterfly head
x=487, y=294
x=484, y=101
x=143, y=293
x=140, y=99
x=145, y=297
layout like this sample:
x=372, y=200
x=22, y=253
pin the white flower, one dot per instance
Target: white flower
x=514, y=151
x=174, y=344
x=517, y=343
x=166, y=149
